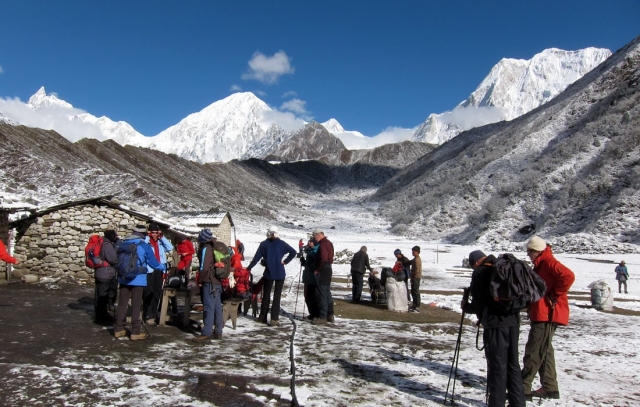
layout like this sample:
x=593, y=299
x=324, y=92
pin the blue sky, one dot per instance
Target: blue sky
x=369, y=64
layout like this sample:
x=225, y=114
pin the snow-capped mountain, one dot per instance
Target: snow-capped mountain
x=512, y=88
x=121, y=132
x=242, y=126
x=40, y=100
x=222, y=131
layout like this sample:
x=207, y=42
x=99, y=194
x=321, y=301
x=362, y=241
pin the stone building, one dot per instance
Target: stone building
x=220, y=224
x=51, y=242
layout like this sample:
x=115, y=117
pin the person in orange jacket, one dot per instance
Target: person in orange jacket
x=545, y=315
x=4, y=256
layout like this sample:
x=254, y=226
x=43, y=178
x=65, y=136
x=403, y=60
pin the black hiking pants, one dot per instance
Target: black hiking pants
x=357, y=284
x=105, y=298
x=503, y=366
x=152, y=294
x=266, y=296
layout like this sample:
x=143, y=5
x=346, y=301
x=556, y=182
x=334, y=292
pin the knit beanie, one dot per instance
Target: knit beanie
x=111, y=235
x=205, y=236
x=474, y=256
x=397, y=252
x=536, y=243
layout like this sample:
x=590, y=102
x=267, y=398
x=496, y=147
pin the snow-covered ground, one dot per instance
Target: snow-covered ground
x=362, y=362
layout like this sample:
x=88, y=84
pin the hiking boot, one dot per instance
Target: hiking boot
x=138, y=337
x=331, y=318
x=151, y=322
x=414, y=310
x=120, y=334
x=275, y=322
x=217, y=336
x=543, y=394
x=319, y=321
x=202, y=338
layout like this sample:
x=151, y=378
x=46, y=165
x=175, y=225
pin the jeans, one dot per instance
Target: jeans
x=135, y=293
x=266, y=298
x=356, y=291
x=212, y=309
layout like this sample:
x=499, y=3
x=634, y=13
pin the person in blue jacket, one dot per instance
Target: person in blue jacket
x=134, y=287
x=272, y=250
x=152, y=294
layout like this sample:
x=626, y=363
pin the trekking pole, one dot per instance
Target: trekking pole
x=456, y=353
x=295, y=309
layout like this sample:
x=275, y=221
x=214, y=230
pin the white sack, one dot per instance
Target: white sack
x=396, y=295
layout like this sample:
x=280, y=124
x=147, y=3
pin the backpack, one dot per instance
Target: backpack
x=514, y=284
x=127, y=266
x=221, y=254
x=92, y=253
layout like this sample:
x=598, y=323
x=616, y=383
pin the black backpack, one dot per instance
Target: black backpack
x=127, y=266
x=514, y=284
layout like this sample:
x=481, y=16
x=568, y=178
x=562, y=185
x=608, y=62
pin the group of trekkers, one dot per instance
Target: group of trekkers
x=500, y=319
x=403, y=271
x=145, y=252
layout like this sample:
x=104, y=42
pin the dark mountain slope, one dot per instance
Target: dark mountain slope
x=568, y=170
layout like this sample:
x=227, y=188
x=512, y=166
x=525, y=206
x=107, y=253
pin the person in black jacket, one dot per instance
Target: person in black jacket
x=105, y=278
x=359, y=264
x=500, y=336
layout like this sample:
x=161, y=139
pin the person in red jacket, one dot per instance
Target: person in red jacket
x=545, y=315
x=186, y=251
x=4, y=256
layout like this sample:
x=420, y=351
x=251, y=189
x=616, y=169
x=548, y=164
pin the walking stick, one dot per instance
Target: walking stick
x=295, y=309
x=456, y=353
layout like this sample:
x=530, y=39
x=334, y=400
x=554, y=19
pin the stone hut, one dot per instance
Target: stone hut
x=51, y=242
x=220, y=224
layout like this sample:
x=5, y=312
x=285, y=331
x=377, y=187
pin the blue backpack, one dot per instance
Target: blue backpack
x=128, y=266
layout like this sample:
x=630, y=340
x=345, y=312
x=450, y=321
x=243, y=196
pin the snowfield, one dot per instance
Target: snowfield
x=351, y=362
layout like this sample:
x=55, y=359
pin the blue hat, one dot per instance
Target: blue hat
x=205, y=236
x=397, y=252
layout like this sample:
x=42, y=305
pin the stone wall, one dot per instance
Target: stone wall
x=53, y=245
x=4, y=236
x=223, y=232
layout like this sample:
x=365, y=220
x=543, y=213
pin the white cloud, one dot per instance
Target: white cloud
x=296, y=106
x=235, y=88
x=289, y=94
x=469, y=117
x=1, y=70
x=55, y=118
x=287, y=120
x=268, y=69
x=355, y=141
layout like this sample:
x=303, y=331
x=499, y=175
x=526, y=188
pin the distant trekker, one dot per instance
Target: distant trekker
x=323, y=274
x=359, y=264
x=416, y=277
x=622, y=275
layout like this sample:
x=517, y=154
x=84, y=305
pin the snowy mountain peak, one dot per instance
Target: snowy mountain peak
x=512, y=88
x=333, y=126
x=40, y=99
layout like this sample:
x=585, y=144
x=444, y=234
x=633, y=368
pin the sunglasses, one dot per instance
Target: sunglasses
x=529, y=251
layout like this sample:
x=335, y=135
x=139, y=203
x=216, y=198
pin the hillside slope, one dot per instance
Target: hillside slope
x=568, y=170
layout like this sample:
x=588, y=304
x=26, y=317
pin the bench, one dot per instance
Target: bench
x=169, y=293
x=230, y=310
